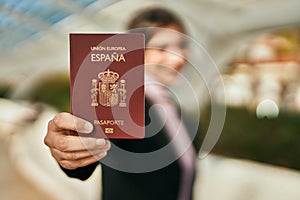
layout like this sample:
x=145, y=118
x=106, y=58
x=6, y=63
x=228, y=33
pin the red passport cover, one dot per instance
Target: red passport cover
x=107, y=83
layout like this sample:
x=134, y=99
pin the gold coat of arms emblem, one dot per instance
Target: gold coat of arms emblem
x=107, y=90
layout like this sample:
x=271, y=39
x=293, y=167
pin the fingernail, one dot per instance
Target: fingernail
x=88, y=127
x=100, y=142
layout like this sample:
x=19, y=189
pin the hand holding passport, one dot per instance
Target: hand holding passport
x=71, y=151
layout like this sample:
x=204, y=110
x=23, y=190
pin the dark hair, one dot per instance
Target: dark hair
x=143, y=20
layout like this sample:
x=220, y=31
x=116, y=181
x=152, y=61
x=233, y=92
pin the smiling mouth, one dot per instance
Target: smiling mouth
x=170, y=71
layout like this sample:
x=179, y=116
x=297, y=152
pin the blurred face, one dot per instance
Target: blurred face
x=165, y=55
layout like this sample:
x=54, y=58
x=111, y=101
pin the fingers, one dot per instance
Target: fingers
x=75, y=159
x=67, y=121
x=78, y=155
x=74, y=164
x=75, y=143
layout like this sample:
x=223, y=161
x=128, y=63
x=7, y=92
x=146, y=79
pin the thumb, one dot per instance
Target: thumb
x=82, y=126
x=67, y=121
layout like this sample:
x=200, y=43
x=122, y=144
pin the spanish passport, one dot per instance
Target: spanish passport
x=107, y=83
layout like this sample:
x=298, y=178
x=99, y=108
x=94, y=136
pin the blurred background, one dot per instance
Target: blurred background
x=254, y=44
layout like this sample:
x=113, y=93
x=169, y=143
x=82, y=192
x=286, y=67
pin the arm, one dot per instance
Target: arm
x=81, y=173
x=77, y=156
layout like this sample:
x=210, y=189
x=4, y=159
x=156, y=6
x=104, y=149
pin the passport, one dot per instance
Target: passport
x=107, y=83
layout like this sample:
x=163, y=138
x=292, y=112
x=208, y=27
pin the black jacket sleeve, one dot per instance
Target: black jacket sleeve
x=81, y=173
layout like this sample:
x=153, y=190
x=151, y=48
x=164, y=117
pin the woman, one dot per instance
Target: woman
x=164, y=58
